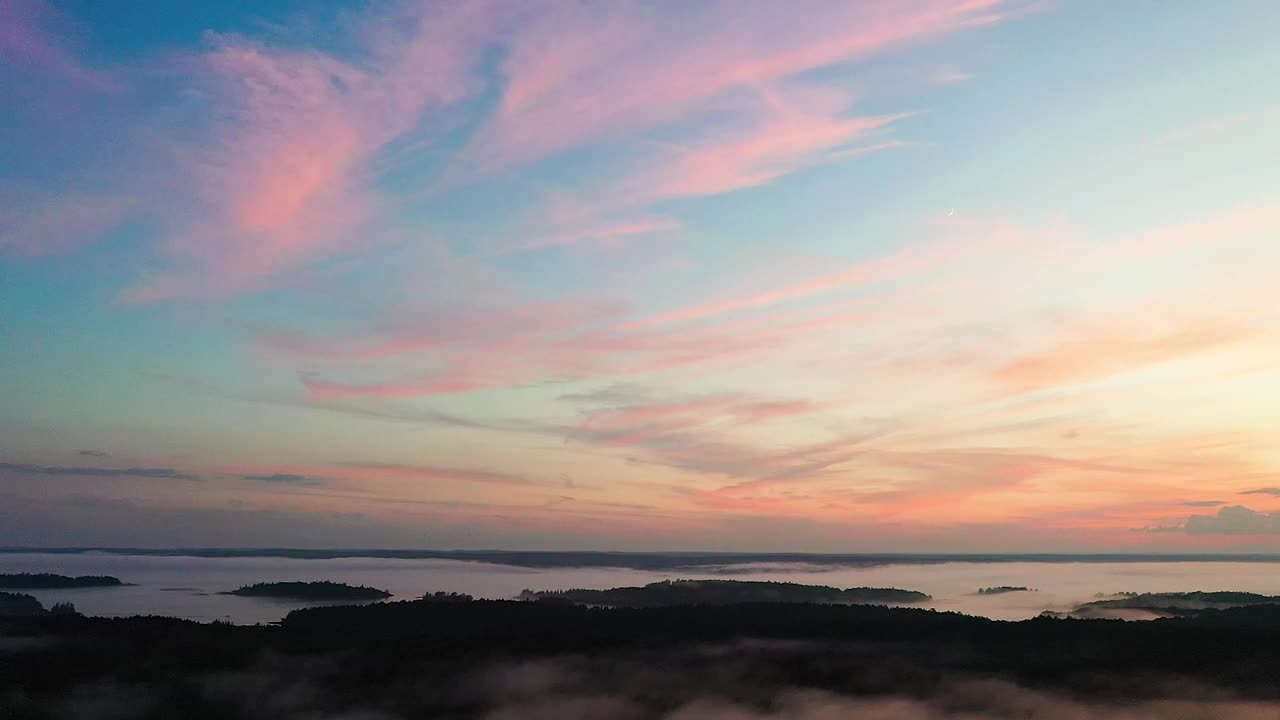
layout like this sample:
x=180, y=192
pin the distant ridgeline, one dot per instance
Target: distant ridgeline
x=1002, y=589
x=19, y=605
x=322, y=590
x=709, y=561
x=670, y=593
x=49, y=581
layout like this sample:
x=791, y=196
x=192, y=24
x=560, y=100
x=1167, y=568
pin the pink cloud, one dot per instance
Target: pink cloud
x=707, y=101
x=281, y=176
x=468, y=348
x=581, y=353
x=517, y=342
x=648, y=423
x=785, y=141
x=267, y=160
x=492, y=346
x=593, y=231
x=568, y=85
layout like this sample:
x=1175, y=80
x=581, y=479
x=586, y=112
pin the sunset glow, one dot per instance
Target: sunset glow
x=929, y=275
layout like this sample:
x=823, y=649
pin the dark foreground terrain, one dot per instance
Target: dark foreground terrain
x=451, y=657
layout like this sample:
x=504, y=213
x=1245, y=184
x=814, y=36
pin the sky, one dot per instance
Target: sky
x=919, y=276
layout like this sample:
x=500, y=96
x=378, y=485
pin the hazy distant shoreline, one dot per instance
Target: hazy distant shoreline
x=656, y=560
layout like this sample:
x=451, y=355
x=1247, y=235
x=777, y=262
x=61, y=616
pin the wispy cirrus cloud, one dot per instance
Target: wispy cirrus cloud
x=280, y=177
x=541, y=343
x=718, y=106
x=1089, y=353
x=287, y=171
x=640, y=70
x=468, y=347
x=651, y=423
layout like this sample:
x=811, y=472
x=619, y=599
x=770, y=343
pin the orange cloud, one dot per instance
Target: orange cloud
x=1090, y=352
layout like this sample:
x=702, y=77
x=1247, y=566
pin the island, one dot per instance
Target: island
x=1002, y=589
x=50, y=581
x=671, y=593
x=1170, y=604
x=324, y=590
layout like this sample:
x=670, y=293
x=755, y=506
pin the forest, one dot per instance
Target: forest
x=448, y=656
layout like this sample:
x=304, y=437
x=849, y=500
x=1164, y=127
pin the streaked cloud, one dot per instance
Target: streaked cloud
x=439, y=472
x=286, y=479
x=105, y=472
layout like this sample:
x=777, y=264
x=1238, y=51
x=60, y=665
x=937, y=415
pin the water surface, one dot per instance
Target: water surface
x=189, y=587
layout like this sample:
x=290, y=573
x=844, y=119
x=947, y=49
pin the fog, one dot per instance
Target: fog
x=707, y=683
x=186, y=587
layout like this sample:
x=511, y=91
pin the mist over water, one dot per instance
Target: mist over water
x=188, y=587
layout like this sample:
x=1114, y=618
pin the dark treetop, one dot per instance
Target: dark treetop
x=668, y=593
x=49, y=581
